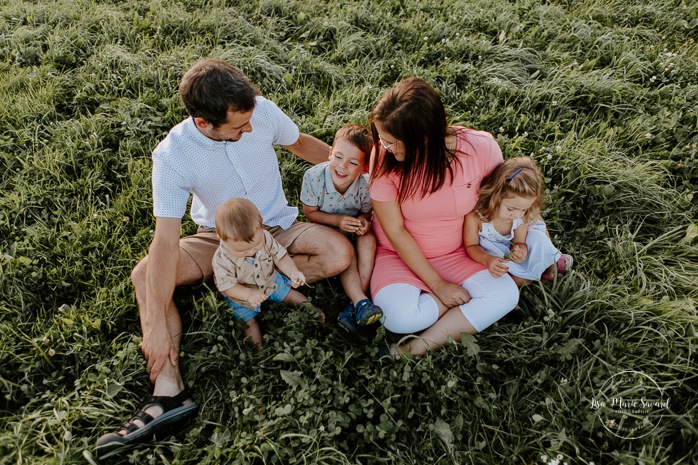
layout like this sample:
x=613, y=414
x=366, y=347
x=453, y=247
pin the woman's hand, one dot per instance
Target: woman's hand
x=451, y=295
x=497, y=266
x=349, y=224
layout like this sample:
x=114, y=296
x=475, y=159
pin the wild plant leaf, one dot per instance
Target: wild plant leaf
x=292, y=378
x=691, y=234
x=282, y=411
x=469, y=341
x=283, y=357
x=444, y=433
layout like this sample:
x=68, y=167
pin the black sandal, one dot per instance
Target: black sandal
x=173, y=419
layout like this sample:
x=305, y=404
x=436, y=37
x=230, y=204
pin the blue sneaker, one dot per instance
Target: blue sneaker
x=367, y=313
x=347, y=319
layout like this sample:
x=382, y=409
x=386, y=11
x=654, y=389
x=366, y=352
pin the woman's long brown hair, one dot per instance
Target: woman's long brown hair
x=412, y=112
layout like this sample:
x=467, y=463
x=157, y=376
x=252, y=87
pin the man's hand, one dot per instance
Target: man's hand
x=158, y=349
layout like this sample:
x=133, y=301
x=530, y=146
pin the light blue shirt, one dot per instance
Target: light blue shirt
x=188, y=163
x=318, y=191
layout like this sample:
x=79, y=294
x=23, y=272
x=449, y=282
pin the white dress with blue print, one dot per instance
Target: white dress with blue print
x=541, y=251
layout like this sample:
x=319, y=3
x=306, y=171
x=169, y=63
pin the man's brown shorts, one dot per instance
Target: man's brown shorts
x=202, y=245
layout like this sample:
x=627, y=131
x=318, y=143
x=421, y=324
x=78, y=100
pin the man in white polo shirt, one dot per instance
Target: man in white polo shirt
x=223, y=150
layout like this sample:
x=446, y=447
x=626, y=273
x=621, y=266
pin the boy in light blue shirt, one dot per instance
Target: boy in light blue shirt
x=335, y=193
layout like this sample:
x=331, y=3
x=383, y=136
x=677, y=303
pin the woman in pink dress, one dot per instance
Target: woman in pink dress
x=424, y=180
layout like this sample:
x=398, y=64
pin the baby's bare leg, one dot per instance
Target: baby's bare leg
x=295, y=297
x=253, y=333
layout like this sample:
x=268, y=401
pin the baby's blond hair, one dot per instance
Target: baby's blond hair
x=238, y=219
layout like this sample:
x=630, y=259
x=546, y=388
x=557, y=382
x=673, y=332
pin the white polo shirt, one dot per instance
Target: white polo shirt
x=187, y=162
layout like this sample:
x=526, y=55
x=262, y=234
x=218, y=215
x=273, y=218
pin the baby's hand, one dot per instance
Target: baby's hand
x=297, y=279
x=497, y=266
x=349, y=224
x=256, y=298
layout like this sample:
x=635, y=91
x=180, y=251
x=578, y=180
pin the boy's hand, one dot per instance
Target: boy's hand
x=349, y=224
x=256, y=298
x=297, y=279
x=363, y=228
x=518, y=253
x=497, y=266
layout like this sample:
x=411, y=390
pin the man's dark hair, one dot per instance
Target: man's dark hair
x=211, y=88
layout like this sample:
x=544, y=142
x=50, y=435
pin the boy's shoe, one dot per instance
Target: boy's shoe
x=367, y=313
x=347, y=319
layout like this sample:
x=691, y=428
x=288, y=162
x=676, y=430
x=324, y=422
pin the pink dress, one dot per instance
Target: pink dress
x=436, y=220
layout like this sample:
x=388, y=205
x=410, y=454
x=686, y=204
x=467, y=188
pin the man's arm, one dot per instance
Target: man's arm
x=310, y=149
x=161, y=277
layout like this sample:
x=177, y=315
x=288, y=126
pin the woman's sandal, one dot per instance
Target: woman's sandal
x=173, y=419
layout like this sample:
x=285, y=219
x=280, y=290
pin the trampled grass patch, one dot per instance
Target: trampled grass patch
x=604, y=95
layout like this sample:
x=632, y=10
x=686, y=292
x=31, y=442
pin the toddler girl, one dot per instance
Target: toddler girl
x=505, y=231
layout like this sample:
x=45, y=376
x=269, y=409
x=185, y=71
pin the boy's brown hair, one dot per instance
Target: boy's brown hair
x=358, y=136
x=238, y=219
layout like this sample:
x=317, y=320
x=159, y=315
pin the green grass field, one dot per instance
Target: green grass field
x=603, y=94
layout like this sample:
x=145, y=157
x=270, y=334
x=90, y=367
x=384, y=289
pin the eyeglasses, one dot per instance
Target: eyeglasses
x=387, y=146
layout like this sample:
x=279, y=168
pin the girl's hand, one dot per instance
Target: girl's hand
x=452, y=295
x=297, y=279
x=497, y=266
x=518, y=253
x=256, y=298
x=349, y=224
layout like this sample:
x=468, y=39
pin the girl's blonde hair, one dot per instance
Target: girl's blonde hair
x=238, y=220
x=518, y=176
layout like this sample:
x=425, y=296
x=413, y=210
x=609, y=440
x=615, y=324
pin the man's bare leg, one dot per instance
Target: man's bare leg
x=169, y=381
x=321, y=252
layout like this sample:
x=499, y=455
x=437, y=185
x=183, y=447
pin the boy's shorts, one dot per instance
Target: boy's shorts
x=283, y=287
